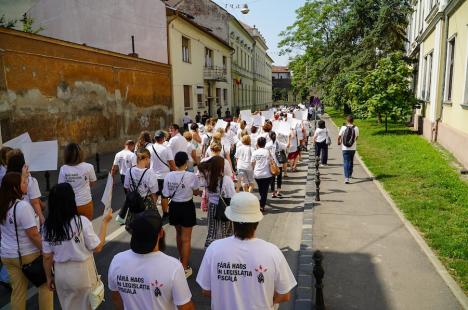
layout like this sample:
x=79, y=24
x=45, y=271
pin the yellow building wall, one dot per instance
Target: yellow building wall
x=192, y=73
x=456, y=115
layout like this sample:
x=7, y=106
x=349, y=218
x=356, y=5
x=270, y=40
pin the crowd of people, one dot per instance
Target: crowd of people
x=220, y=161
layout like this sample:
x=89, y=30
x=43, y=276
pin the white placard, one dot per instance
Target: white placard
x=258, y=120
x=268, y=114
x=282, y=127
x=301, y=106
x=290, y=115
x=245, y=114
x=107, y=195
x=295, y=122
x=41, y=156
x=17, y=142
x=301, y=114
x=220, y=124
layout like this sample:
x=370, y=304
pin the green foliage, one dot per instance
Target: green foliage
x=384, y=91
x=339, y=41
x=280, y=94
x=9, y=24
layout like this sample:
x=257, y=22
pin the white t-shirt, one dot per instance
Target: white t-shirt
x=25, y=219
x=186, y=119
x=125, y=160
x=244, y=274
x=177, y=144
x=296, y=137
x=253, y=140
x=79, y=248
x=206, y=139
x=189, y=150
x=33, y=189
x=261, y=157
x=181, y=184
x=148, y=281
x=244, y=156
x=354, y=146
x=148, y=185
x=321, y=134
x=79, y=177
x=160, y=168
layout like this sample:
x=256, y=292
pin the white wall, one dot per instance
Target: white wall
x=107, y=24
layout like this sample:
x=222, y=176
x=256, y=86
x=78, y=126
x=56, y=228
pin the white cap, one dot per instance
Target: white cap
x=244, y=208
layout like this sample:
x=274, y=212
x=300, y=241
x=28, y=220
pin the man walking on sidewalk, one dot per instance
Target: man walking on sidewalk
x=347, y=138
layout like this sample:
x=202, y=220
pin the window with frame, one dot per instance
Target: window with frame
x=187, y=96
x=429, y=77
x=450, y=68
x=424, y=75
x=208, y=58
x=185, y=49
x=218, y=96
x=200, y=91
x=224, y=62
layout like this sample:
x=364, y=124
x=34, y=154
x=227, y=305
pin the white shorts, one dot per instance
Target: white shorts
x=246, y=177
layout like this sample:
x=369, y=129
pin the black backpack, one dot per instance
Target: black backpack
x=349, y=136
x=133, y=200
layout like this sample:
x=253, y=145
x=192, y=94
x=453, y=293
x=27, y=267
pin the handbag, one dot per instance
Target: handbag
x=223, y=203
x=96, y=295
x=274, y=169
x=281, y=155
x=34, y=271
x=328, y=139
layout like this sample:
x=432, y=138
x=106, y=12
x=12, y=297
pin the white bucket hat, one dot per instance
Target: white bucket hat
x=244, y=208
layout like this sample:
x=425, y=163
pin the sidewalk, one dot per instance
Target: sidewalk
x=371, y=261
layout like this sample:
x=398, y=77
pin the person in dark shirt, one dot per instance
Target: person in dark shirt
x=198, y=118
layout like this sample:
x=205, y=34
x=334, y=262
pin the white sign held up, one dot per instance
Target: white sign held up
x=107, y=195
x=41, y=156
x=17, y=142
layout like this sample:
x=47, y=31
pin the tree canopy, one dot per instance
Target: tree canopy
x=341, y=42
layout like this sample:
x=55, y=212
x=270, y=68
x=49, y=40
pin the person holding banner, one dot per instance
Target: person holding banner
x=80, y=176
x=16, y=163
x=68, y=244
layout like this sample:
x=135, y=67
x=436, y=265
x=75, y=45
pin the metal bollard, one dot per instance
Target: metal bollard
x=98, y=166
x=317, y=178
x=47, y=180
x=318, y=274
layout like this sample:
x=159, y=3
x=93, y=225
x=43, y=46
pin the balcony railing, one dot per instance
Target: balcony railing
x=214, y=73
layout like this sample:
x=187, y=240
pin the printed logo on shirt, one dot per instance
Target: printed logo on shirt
x=231, y=271
x=72, y=177
x=260, y=270
x=130, y=285
x=157, y=286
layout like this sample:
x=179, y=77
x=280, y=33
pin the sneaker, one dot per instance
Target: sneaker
x=346, y=180
x=120, y=220
x=188, y=272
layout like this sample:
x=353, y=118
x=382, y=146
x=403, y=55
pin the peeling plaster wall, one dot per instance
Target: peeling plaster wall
x=57, y=90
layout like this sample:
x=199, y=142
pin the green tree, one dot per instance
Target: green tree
x=28, y=22
x=384, y=91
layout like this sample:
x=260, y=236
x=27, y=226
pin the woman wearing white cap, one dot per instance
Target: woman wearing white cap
x=242, y=271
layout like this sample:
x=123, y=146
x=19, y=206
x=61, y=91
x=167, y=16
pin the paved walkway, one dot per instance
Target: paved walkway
x=371, y=260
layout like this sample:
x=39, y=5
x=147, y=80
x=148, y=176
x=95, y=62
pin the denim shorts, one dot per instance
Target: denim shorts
x=245, y=176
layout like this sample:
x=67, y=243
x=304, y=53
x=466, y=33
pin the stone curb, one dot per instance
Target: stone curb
x=305, y=282
x=439, y=267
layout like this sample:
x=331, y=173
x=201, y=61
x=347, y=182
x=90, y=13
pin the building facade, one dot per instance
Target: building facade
x=107, y=25
x=251, y=65
x=438, y=39
x=282, y=88
x=201, y=67
x=242, y=66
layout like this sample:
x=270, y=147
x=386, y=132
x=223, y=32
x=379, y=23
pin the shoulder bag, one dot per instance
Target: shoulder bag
x=274, y=169
x=175, y=191
x=34, y=271
x=280, y=155
x=223, y=203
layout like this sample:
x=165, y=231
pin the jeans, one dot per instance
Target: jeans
x=263, y=190
x=321, y=150
x=348, y=157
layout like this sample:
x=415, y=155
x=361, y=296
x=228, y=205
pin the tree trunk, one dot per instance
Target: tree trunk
x=386, y=123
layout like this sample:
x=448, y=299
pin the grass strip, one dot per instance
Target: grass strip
x=425, y=186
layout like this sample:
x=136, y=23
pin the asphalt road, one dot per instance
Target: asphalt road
x=282, y=226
